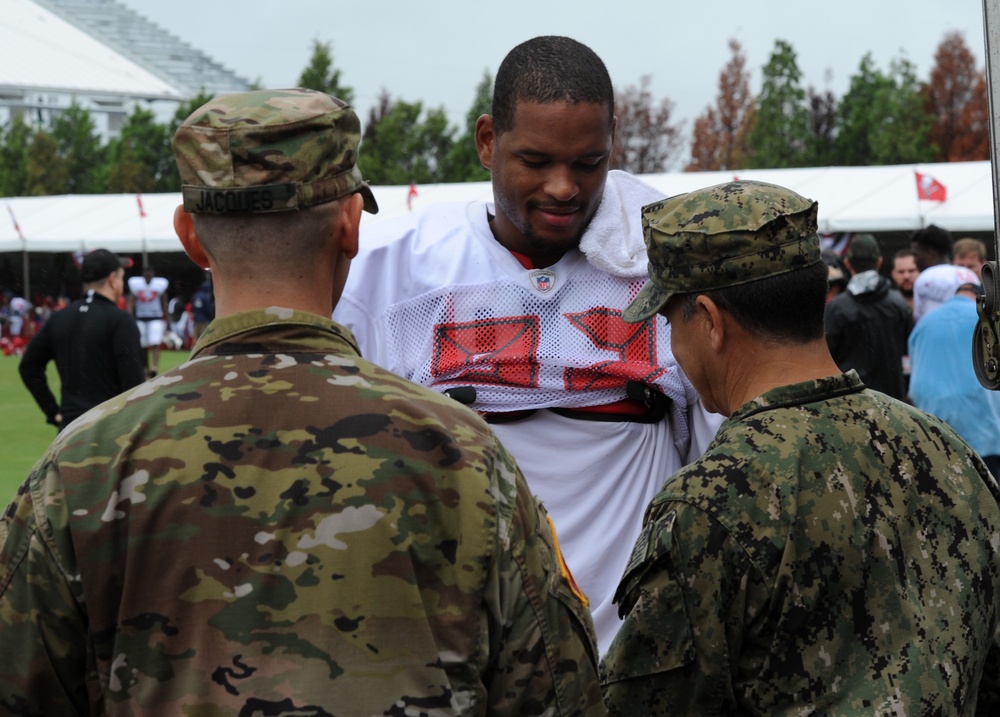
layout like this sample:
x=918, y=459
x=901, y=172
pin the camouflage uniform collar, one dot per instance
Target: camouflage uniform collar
x=797, y=394
x=236, y=327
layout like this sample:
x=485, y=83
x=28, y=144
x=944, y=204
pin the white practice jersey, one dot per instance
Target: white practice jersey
x=445, y=305
x=147, y=296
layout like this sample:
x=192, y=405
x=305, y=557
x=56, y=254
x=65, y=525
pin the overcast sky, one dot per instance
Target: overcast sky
x=436, y=51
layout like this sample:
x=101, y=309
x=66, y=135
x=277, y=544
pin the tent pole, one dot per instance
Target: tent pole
x=25, y=273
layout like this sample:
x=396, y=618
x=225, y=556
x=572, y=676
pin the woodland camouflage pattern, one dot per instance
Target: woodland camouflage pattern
x=721, y=236
x=269, y=151
x=279, y=527
x=834, y=552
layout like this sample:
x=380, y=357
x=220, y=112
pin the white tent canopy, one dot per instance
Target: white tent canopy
x=851, y=199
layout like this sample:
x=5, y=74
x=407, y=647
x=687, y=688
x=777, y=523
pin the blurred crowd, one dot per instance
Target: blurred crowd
x=21, y=319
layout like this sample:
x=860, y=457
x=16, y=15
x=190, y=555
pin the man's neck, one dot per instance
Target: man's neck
x=766, y=367
x=528, y=256
x=104, y=289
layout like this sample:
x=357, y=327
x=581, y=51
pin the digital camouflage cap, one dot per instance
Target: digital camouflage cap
x=721, y=236
x=269, y=151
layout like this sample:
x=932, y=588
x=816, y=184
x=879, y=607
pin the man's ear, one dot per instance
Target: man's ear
x=184, y=226
x=485, y=140
x=714, y=321
x=349, y=224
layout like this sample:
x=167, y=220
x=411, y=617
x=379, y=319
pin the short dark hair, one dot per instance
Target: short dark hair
x=902, y=253
x=786, y=308
x=934, y=238
x=864, y=263
x=548, y=69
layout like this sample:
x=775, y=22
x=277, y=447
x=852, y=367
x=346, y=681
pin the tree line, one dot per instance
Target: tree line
x=886, y=117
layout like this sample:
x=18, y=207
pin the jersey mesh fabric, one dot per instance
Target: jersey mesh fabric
x=528, y=349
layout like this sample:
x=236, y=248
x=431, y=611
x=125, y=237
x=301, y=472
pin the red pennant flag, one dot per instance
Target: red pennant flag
x=410, y=195
x=14, y=219
x=930, y=189
x=138, y=200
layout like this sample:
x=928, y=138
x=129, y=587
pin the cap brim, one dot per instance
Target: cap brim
x=648, y=303
x=371, y=206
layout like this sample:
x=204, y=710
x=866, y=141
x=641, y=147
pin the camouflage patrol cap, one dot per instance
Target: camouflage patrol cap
x=721, y=236
x=269, y=151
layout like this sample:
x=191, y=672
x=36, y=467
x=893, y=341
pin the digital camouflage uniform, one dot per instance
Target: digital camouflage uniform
x=833, y=552
x=280, y=527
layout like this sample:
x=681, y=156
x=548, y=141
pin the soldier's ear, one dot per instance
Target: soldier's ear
x=184, y=226
x=349, y=223
x=713, y=322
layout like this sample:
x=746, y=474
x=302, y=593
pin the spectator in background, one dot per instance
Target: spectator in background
x=936, y=285
x=944, y=380
x=970, y=253
x=203, y=307
x=180, y=323
x=836, y=274
x=148, y=303
x=931, y=246
x=867, y=325
x=20, y=309
x=904, y=274
x=94, y=343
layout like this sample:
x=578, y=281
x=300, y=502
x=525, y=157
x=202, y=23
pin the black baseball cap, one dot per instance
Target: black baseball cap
x=99, y=263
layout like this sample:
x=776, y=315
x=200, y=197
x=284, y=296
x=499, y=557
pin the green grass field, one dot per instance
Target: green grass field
x=24, y=434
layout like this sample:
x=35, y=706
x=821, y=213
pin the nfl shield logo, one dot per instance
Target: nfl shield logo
x=543, y=279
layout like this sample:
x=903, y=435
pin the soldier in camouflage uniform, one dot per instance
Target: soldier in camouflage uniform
x=834, y=551
x=279, y=527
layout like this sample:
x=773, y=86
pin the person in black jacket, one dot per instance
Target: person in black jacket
x=94, y=343
x=867, y=325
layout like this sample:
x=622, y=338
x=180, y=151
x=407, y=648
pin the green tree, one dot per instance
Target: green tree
x=14, y=145
x=79, y=146
x=47, y=172
x=399, y=148
x=139, y=160
x=882, y=119
x=462, y=163
x=857, y=123
x=320, y=74
x=781, y=135
x=906, y=137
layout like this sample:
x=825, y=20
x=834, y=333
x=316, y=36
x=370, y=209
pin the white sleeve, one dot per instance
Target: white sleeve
x=703, y=426
x=350, y=312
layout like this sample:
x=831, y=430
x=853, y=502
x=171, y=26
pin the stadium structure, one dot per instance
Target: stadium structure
x=102, y=55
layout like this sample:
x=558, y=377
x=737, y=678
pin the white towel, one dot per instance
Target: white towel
x=613, y=241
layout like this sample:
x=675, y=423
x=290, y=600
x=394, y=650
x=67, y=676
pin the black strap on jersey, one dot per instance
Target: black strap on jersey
x=657, y=405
